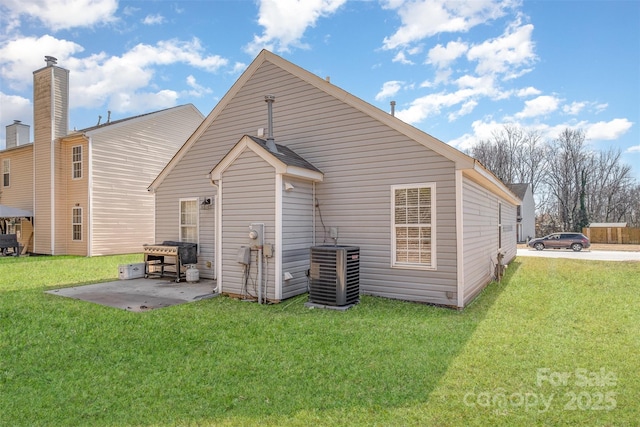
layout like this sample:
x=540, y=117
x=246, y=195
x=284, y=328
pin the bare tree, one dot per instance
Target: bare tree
x=572, y=184
x=609, y=198
x=567, y=164
x=513, y=155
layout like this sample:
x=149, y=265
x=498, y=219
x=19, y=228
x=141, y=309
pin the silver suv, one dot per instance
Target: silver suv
x=574, y=241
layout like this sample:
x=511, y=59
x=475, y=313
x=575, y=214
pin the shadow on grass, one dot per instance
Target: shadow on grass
x=227, y=361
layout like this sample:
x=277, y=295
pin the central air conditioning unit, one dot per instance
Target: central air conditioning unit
x=334, y=275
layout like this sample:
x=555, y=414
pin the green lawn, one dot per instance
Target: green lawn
x=556, y=343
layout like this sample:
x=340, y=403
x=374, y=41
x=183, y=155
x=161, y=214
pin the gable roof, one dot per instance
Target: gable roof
x=112, y=124
x=469, y=165
x=519, y=189
x=17, y=147
x=285, y=161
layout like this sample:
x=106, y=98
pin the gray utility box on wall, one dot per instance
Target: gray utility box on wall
x=335, y=275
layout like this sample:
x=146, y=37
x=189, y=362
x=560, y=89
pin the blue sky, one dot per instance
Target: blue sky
x=457, y=70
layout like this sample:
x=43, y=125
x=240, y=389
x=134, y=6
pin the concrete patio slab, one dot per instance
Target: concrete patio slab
x=140, y=294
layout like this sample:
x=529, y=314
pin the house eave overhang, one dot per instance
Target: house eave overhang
x=298, y=172
x=488, y=180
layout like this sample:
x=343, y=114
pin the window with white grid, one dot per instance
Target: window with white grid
x=413, y=238
x=76, y=224
x=189, y=220
x=76, y=162
x=6, y=172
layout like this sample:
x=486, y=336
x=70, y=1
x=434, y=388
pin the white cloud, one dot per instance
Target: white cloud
x=599, y=108
x=442, y=76
x=197, y=89
x=607, y=131
x=389, y=89
x=528, y=91
x=481, y=131
x=153, y=19
x=506, y=54
x=425, y=18
x=17, y=68
x=483, y=84
x=238, y=67
x=130, y=10
x=145, y=101
x=401, y=57
x=432, y=104
x=99, y=78
x=14, y=107
x=442, y=56
x=123, y=82
x=470, y=89
x=539, y=106
x=64, y=14
x=285, y=22
x=466, y=108
x=574, y=108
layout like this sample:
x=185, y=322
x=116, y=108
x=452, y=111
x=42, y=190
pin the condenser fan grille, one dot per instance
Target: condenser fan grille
x=335, y=275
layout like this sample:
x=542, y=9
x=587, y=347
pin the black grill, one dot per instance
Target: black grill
x=169, y=259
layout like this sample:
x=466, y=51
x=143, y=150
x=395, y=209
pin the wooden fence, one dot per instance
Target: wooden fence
x=620, y=235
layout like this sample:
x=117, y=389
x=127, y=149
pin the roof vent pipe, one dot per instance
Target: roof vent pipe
x=393, y=108
x=50, y=60
x=271, y=145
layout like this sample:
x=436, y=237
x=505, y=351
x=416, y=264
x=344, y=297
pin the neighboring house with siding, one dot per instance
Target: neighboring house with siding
x=526, y=225
x=429, y=220
x=87, y=189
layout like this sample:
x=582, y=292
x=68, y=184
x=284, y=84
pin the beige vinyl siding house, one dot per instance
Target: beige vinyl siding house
x=364, y=169
x=19, y=158
x=123, y=158
x=20, y=161
x=88, y=188
x=72, y=197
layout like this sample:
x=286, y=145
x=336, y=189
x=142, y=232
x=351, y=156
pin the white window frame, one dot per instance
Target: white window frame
x=76, y=163
x=395, y=263
x=181, y=226
x=77, y=224
x=6, y=173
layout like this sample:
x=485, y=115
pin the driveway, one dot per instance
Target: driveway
x=585, y=254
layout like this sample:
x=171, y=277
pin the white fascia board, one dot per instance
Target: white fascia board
x=298, y=172
x=489, y=181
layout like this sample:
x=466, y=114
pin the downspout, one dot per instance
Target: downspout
x=313, y=207
x=217, y=274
